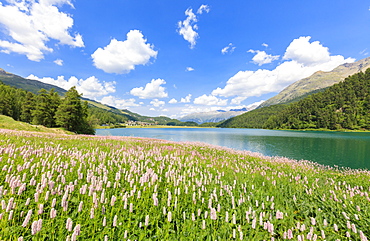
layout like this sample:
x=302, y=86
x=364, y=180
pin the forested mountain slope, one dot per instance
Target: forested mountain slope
x=98, y=113
x=317, y=81
x=345, y=105
x=253, y=119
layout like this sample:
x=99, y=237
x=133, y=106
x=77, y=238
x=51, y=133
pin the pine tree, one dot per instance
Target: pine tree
x=28, y=107
x=44, y=113
x=72, y=114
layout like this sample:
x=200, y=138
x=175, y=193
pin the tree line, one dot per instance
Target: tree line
x=46, y=108
x=345, y=105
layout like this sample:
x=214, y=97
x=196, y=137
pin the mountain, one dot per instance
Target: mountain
x=343, y=106
x=253, y=119
x=30, y=85
x=101, y=112
x=212, y=116
x=317, y=82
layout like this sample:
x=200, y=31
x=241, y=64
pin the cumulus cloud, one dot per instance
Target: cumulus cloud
x=254, y=105
x=302, y=51
x=151, y=90
x=31, y=24
x=203, y=8
x=237, y=100
x=209, y=100
x=228, y=49
x=90, y=87
x=118, y=103
x=122, y=56
x=302, y=59
x=187, y=27
x=187, y=99
x=261, y=57
x=172, y=101
x=157, y=103
x=189, y=69
x=58, y=62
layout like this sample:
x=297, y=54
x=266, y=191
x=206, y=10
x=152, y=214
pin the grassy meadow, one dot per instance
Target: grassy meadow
x=74, y=187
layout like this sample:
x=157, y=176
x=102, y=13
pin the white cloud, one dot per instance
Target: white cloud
x=261, y=57
x=151, y=90
x=157, y=103
x=118, y=103
x=265, y=45
x=58, y=62
x=202, y=8
x=189, y=69
x=254, y=105
x=122, y=56
x=90, y=87
x=187, y=99
x=209, y=100
x=228, y=49
x=237, y=100
x=187, y=27
x=300, y=63
x=31, y=24
x=172, y=101
x=304, y=52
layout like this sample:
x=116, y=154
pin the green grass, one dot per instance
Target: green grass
x=147, y=189
x=7, y=122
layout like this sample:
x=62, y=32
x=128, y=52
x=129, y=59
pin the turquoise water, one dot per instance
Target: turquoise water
x=344, y=149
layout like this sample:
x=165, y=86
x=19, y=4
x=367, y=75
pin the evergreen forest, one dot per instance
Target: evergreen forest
x=343, y=106
x=47, y=108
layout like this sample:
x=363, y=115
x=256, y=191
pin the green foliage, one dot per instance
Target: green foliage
x=253, y=119
x=100, y=116
x=72, y=114
x=210, y=124
x=28, y=107
x=342, y=106
x=11, y=101
x=45, y=108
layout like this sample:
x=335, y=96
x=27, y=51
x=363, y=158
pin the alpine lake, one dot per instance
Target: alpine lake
x=342, y=149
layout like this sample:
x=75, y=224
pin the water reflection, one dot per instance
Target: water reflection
x=328, y=148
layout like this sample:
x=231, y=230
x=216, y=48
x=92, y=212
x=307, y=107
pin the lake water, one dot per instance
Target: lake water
x=345, y=149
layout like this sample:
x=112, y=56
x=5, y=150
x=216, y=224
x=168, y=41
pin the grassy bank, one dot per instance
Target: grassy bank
x=56, y=186
x=7, y=122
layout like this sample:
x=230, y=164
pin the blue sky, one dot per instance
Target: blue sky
x=176, y=57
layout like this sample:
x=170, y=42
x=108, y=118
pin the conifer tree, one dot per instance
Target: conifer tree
x=72, y=114
x=45, y=109
x=27, y=107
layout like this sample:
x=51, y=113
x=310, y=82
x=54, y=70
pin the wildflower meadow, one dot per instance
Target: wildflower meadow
x=76, y=187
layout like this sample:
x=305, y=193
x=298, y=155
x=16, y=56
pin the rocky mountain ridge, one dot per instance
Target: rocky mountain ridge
x=318, y=80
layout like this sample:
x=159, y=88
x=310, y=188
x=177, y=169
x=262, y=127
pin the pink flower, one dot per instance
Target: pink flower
x=27, y=219
x=213, y=214
x=146, y=220
x=69, y=224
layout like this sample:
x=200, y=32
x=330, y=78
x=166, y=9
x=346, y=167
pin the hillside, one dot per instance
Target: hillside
x=317, y=81
x=211, y=116
x=7, y=122
x=252, y=119
x=102, y=114
x=26, y=84
x=345, y=105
